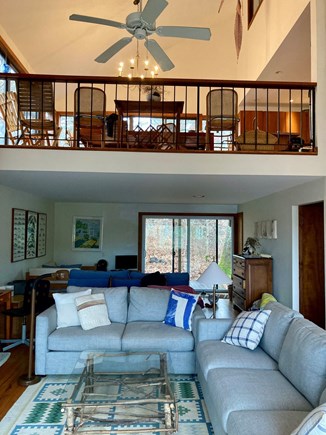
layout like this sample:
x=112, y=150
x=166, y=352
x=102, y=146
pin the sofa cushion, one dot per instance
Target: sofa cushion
x=213, y=354
x=92, y=311
x=66, y=308
x=156, y=336
x=94, y=278
x=147, y=304
x=116, y=299
x=180, y=309
x=247, y=329
x=303, y=358
x=177, y=278
x=276, y=328
x=74, y=338
x=314, y=423
x=251, y=389
x=263, y=422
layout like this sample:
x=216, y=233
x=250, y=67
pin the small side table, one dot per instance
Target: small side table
x=5, y=298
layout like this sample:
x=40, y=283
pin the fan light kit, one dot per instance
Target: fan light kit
x=141, y=25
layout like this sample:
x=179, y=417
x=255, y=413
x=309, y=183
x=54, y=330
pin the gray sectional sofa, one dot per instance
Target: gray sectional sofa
x=136, y=317
x=268, y=390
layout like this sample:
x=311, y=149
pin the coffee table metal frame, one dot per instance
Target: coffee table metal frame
x=96, y=407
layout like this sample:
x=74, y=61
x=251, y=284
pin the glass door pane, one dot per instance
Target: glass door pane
x=202, y=245
x=158, y=245
x=180, y=255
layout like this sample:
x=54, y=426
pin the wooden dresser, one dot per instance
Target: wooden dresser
x=251, y=278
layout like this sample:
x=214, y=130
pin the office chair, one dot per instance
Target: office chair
x=42, y=302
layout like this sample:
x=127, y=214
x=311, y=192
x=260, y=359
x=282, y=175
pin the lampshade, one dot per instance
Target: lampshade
x=214, y=275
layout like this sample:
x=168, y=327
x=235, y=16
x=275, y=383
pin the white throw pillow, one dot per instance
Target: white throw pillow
x=314, y=423
x=66, y=308
x=180, y=309
x=247, y=329
x=92, y=311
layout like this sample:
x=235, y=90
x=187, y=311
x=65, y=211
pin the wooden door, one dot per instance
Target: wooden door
x=311, y=262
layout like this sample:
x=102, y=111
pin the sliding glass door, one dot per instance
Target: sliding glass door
x=186, y=243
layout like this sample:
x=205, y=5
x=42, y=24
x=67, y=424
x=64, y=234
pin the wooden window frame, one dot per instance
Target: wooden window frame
x=252, y=10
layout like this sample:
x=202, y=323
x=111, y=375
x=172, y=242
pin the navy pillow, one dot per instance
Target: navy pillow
x=155, y=278
x=92, y=282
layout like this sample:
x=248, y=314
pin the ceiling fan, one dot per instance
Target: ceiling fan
x=141, y=25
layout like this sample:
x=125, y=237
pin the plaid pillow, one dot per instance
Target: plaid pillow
x=247, y=329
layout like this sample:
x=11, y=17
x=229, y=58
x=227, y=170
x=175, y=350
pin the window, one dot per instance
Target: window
x=253, y=6
x=186, y=243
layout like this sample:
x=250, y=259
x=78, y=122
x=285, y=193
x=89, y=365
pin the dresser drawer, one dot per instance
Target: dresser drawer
x=238, y=271
x=239, y=289
x=238, y=301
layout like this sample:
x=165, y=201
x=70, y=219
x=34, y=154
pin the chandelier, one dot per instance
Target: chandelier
x=136, y=67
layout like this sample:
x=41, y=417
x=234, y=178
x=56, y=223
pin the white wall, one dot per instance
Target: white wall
x=281, y=206
x=9, y=199
x=120, y=234
x=268, y=30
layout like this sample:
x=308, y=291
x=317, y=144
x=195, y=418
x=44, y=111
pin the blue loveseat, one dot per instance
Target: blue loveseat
x=120, y=278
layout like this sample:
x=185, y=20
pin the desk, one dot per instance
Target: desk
x=166, y=109
x=5, y=298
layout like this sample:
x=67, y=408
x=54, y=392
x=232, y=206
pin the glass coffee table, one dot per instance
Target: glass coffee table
x=121, y=393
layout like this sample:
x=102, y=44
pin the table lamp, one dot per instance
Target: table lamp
x=212, y=277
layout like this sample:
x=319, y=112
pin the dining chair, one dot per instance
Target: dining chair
x=89, y=116
x=17, y=134
x=36, y=103
x=222, y=113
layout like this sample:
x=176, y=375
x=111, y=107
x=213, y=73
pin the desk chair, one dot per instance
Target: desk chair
x=221, y=113
x=42, y=303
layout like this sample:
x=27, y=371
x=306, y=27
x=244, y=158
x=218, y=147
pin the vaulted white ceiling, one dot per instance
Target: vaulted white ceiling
x=46, y=41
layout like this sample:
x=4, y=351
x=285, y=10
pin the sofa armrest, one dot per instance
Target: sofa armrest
x=46, y=323
x=211, y=329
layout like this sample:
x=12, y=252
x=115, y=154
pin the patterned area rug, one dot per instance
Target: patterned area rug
x=38, y=410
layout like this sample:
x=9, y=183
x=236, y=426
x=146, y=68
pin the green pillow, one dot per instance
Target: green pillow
x=265, y=299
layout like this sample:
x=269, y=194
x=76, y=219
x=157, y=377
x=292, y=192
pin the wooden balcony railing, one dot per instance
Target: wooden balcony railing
x=170, y=115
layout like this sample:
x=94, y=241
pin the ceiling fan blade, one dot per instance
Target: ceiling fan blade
x=159, y=55
x=94, y=20
x=152, y=10
x=202, y=33
x=111, y=51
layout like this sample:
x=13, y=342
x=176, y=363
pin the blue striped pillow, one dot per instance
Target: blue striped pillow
x=180, y=309
x=247, y=329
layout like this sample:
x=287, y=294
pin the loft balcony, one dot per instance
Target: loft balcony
x=157, y=115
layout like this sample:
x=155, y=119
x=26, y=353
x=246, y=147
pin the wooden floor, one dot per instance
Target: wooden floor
x=10, y=372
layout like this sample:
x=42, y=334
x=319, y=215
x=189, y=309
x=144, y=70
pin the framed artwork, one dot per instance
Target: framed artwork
x=18, y=233
x=87, y=233
x=31, y=234
x=41, y=234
